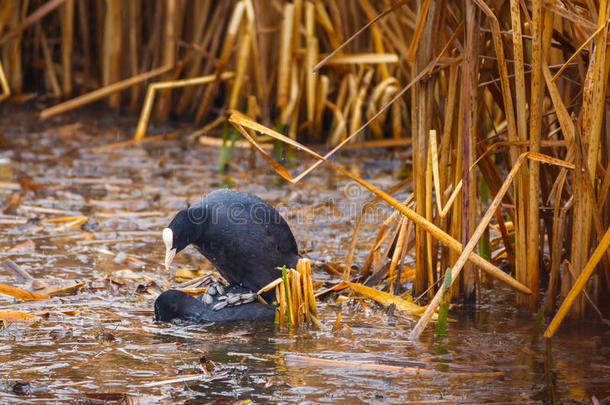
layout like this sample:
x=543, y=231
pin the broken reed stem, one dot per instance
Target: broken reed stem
x=101, y=93
x=152, y=88
x=578, y=285
x=295, y=297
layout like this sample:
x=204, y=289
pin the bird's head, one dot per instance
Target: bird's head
x=180, y=233
x=173, y=304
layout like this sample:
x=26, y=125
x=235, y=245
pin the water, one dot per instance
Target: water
x=101, y=344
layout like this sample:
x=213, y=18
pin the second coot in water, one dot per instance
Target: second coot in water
x=174, y=304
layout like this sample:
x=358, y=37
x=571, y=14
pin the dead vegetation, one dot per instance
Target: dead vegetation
x=485, y=91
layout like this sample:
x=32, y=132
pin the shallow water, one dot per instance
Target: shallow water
x=102, y=344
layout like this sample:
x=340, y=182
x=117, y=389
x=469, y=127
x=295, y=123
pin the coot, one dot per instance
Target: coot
x=174, y=304
x=242, y=235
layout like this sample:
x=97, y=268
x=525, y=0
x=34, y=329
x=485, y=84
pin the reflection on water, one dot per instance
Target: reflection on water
x=103, y=343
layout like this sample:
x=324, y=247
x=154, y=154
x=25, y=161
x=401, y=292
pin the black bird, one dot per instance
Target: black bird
x=242, y=235
x=174, y=304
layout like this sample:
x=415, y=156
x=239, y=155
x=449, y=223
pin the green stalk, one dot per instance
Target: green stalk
x=227, y=148
x=443, y=311
x=538, y=325
x=485, y=242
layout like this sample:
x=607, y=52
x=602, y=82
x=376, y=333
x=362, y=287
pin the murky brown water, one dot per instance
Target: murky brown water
x=102, y=342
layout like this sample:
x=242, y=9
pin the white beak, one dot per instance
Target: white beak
x=169, y=257
x=170, y=253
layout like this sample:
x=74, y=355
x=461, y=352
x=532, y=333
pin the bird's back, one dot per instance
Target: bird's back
x=245, y=238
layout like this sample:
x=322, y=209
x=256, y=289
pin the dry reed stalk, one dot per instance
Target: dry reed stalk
x=284, y=66
x=379, y=48
x=257, y=72
x=289, y=111
x=382, y=234
x=448, y=128
x=433, y=149
x=594, y=91
x=203, y=34
x=451, y=200
x=417, y=371
x=379, y=260
x=324, y=20
x=428, y=215
x=519, y=135
x=363, y=58
x=169, y=57
x=152, y=88
x=357, y=102
x=131, y=142
x=421, y=19
x=311, y=57
x=393, y=35
x=281, y=312
x=227, y=47
x=67, y=36
x=381, y=94
x=208, y=141
x=372, y=21
x=40, y=12
x=578, y=285
x=422, y=122
x=365, y=208
x=559, y=226
x=6, y=90
x=50, y=76
x=579, y=50
x=295, y=292
x=580, y=21
x=322, y=102
x=242, y=64
x=291, y=297
x=15, y=64
x=101, y=93
x=112, y=49
x=133, y=41
x=86, y=43
x=535, y=129
x=468, y=103
x=400, y=242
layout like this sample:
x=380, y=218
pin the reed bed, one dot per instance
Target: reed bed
x=504, y=105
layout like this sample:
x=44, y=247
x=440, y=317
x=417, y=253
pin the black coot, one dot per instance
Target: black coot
x=241, y=234
x=174, y=304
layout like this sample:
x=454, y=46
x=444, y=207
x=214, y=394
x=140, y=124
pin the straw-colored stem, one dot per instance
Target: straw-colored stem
x=594, y=91
x=67, y=35
x=101, y=93
x=6, y=90
x=152, y=88
x=579, y=284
